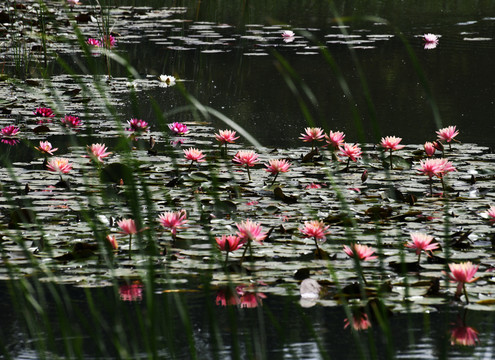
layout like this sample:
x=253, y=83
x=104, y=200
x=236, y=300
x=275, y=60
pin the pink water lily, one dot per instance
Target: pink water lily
x=194, y=155
x=489, y=214
x=360, y=252
x=229, y=243
x=312, y=134
x=430, y=38
x=421, y=242
x=448, y=134
x=225, y=137
x=137, y=125
x=352, y=152
x=98, y=152
x=10, y=130
x=108, y=41
x=335, y=139
x=317, y=230
x=391, y=143
x=44, y=112
x=250, y=231
x=112, y=241
x=93, y=42
x=128, y=227
x=435, y=167
x=173, y=220
x=463, y=273
x=60, y=165
x=464, y=336
x=288, y=34
x=46, y=147
x=359, y=321
x=246, y=157
x=429, y=148
x=71, y=121
x=277, y=166
x=178, y=128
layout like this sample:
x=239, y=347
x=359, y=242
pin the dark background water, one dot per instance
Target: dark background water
x=252, y=91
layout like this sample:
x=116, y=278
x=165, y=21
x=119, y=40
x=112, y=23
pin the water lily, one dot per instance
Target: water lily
x=46, y=114
x=246, y=157
x=60, y=165
x=225, y=137
x=178, y=128
x=71, y=121
x=360, y=252
x=391, y=143
x=46, y=147
x=173, y=220
x=108, y=41
x=98, y=152
x=288, y=34
x=112, y=240
x=464, y=336
x=421, y=242
x=167, y=80
x=229, y=243
x=463, y=273
x=128, y=227
x=359, y=321
x=10, y=130
x=489, y=214
x=249, y=231
x=435, y=167
x=317, y=230
x=277, y=166
x=352, y=152
x=431, y=41
x=448, y=134
x=93, y=42
x=429, y=148
x=137, y=126
x=194, y=155
x=312, y=134
x=335, y=139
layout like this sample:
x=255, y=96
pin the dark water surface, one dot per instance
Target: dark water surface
x=226, y=59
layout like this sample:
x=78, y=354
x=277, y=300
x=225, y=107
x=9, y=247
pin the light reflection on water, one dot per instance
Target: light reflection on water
x=279, y=328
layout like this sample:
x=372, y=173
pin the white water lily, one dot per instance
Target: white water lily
x=168, y=80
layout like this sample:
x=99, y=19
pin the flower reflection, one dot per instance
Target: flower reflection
x=462, y=334
x=359, y=321
x=131, y=292
x=243, y=296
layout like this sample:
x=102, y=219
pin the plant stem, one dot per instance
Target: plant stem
x=130, y=246
x=391, y=165
x=275, y=178
x=249, y=175
x=465, y=292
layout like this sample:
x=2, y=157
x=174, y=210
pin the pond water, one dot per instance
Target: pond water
x=79, y=299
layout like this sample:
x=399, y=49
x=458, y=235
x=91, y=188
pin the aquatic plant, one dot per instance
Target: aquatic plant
x=312, y=134
x=391, y=143
x=317, y=230
x=335, y=139
x=178, y=128
x=173, y=220
x=128, y=227
x=46, y=147
x=246, y=157
x=225, y=137
x=167, y=80
x=249, y=231
x=194, y=155
x=97, y=152
x=71, y=121
x=448, y=134
x=277, y=166
x=229, y=243
x=421, y=242
x=463, y=273
x=351, y=152
x=429, y=148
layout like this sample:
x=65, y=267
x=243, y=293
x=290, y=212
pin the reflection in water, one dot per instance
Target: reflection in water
x=242, y=295
x=462, y=334
x=131, y=292
x=359, y=320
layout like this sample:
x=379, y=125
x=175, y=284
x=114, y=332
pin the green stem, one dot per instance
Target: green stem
x=465, y=292
x=249, y=175
x=130, y=246
x=275, y=178
x=391, y=165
